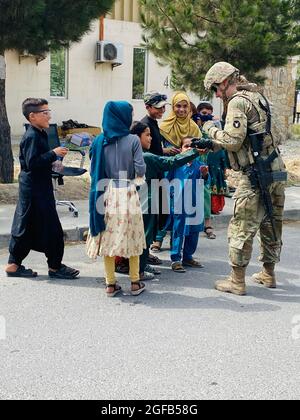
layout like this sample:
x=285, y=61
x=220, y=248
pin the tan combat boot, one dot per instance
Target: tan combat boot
x=266, y=277
x=235, y=283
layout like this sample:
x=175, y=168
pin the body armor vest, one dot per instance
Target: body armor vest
x=257, y=121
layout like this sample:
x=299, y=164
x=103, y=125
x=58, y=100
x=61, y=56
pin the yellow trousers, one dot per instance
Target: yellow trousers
x=110, y=265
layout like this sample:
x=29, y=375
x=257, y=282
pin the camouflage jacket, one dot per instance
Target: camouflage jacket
x=244, y=112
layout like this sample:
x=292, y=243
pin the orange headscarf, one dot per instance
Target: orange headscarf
x=175, y=129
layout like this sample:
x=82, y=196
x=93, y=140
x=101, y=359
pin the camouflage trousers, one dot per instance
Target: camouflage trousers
x=250, y=219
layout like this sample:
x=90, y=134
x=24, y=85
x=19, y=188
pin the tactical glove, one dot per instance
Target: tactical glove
x=202, y=144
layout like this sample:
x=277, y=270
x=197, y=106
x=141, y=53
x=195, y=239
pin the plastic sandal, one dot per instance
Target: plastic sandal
x=178, y=268
x=210, y=234
x=153, y=260
x=147, y=276
x=192, y=263
x=64, y=273
x=23, y=272
x=156, y=247
x=116, y=289
x=152, y=270
x=138, y=291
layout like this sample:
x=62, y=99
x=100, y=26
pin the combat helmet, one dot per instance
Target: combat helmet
x=218, y=73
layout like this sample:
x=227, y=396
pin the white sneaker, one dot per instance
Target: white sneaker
x=152, y=270
x=147, y=276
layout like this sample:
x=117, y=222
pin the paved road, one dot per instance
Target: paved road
x=179, y=340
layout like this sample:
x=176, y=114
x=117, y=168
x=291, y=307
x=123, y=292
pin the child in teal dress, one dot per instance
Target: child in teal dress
x=186, y=223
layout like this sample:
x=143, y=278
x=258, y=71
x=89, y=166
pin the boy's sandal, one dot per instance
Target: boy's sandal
x=209, y=233
x=156, y=247
x=153, y=260
x=64, y=273
x=112, y=290
x=23, y=272
x=192, y=263
x=140, y=289
x=178, y=267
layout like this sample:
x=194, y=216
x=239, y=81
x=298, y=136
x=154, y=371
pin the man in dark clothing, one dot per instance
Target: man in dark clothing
x=156, y=107
x=36, y=225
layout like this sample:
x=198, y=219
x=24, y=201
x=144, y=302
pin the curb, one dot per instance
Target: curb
x=77, y=234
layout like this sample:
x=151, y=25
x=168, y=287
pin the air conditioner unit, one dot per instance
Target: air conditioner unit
x=109, y=52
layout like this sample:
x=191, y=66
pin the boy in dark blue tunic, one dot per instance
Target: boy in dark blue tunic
x=36, y=225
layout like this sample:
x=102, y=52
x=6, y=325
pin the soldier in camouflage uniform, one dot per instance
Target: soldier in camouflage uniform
x=246, y=109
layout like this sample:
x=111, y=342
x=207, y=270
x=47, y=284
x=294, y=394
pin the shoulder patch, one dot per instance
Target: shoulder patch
x=236, y=124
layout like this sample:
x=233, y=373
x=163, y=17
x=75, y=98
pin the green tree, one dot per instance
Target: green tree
x=37, y=28
x=191, y=35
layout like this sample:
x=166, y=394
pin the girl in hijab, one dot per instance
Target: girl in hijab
x=176, y=127
x=116, y=223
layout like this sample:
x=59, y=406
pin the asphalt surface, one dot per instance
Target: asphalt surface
x=181, y=339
